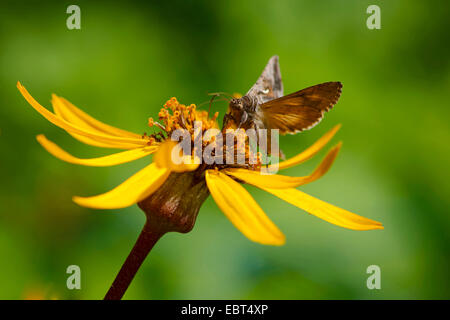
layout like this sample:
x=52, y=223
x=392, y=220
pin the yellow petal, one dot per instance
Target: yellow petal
x=98, y=143
x=62, y=112
x=311, y=151
x=325, y=211
x=72, y=114
x=136, y=188
x=75, y=129
x=110, y=160
x=163, y=159
x=242, y=210
x=276, y=181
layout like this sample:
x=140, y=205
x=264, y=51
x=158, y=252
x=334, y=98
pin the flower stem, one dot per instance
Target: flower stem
x=144, y=244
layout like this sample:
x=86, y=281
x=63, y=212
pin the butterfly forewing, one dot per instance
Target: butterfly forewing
x=269, y=85
x=300, y=110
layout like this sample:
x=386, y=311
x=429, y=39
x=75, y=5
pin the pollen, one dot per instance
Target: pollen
x=175, y=115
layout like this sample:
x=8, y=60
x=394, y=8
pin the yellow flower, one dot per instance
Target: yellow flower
x=223, y=181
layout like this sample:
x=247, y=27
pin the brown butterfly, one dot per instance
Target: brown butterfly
x=265, y=107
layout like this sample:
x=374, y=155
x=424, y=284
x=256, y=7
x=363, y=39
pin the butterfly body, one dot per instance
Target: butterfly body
x=243, y=111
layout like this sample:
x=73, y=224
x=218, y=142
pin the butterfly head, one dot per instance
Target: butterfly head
x=236, y=105
x=237, y=112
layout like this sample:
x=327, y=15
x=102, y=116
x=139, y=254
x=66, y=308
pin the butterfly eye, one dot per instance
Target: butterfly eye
x=265, y=91
x=235, y=103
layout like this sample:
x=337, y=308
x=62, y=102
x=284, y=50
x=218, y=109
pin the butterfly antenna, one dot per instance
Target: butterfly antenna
x=207, y=101
x=210, y=103
x=230, y=96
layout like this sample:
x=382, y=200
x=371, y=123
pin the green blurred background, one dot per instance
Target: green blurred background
x=129, y=58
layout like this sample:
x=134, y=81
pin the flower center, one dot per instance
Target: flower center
x=231, y=146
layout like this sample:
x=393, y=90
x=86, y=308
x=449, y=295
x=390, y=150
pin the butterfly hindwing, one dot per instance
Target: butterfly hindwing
x=300, y=110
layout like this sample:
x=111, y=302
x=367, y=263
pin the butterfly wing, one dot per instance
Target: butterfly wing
x=269, y=85
x=300, y=110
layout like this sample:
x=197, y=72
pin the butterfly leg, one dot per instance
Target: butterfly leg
x=244, y=119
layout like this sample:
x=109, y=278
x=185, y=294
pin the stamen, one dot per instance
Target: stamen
x=175, y=115
x=160, y=126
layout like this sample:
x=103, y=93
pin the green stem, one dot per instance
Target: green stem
x=144, y=244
